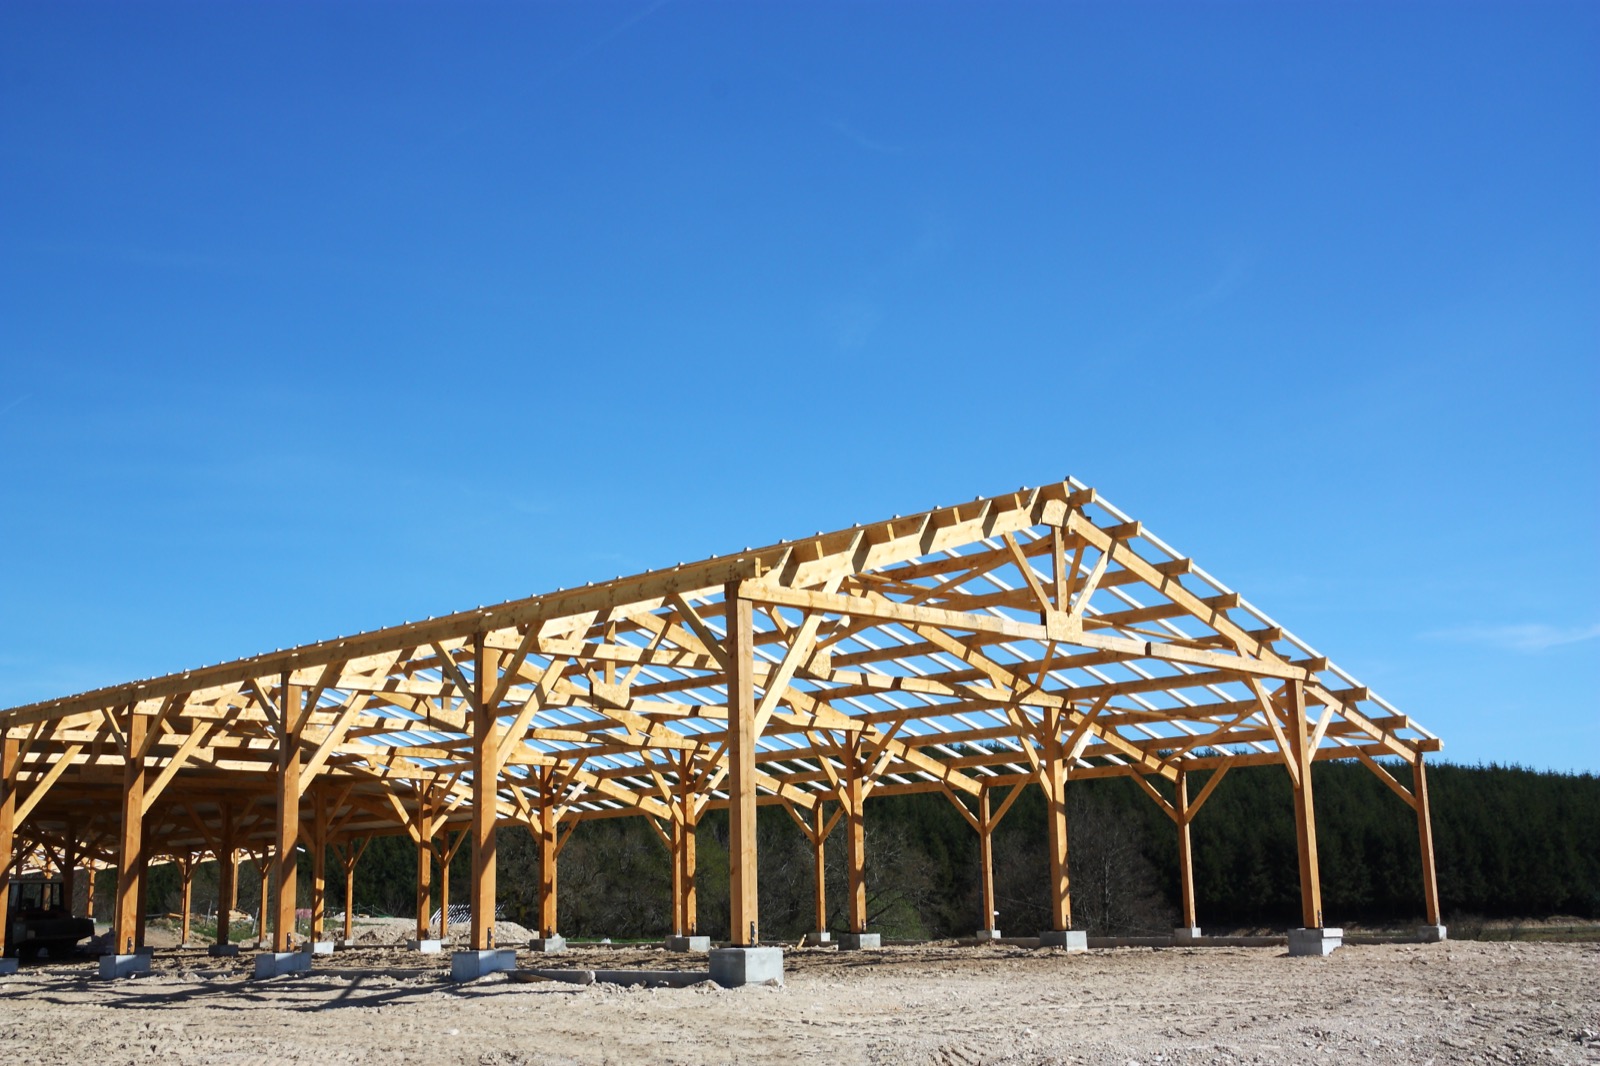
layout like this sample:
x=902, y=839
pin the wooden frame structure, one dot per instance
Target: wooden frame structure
x=1036, y=637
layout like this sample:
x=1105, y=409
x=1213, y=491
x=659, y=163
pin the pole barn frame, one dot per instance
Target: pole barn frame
x=1038, y=637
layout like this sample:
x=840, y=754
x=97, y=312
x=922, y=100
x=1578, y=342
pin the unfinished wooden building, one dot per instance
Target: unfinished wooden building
x=1032, y=638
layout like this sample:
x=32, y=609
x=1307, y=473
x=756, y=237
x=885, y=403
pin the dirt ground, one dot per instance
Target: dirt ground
x=934, y=1004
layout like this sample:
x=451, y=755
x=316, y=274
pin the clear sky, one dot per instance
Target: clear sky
x=320, y=317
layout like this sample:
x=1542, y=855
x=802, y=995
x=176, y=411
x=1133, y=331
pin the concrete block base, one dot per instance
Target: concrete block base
x=278, y=963
x=346, y=945
x=732, y=967
x=426, y=947
x=1186, y=934
x=860, y=941
x=222, y=951
x=320, y=947
x=1314, y=941
x=820, y=938
x=1432, y=934
x=988, y=934
x=471, y=965
x=1072, y=939
x=688, y=943
x=547, y=945
x=7, y=966
x=114, y=966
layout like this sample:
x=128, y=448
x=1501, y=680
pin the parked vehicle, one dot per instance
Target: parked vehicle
x=39, y=919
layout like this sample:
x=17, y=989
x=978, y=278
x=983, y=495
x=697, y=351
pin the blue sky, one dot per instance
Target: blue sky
x=321, y=317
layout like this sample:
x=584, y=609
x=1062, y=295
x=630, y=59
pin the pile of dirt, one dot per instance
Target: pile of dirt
x=387, y=932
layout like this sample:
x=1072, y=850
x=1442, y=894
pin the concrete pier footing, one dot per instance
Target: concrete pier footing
x=688, y=943
x=278, y=963
x=1314, y=941
x=547, y=945
x=471, y=965
x=860, y=941
x=426, y=947
x=988, y=934
x=1071, y=939
x=114, y=966
x=1186, y=934
x=818, y=939
x=320, y=947
x=8, y=966
x=1432, y=934
x=732, y=967
x=223, y=951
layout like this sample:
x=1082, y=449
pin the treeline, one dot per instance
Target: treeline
x=1509, y=842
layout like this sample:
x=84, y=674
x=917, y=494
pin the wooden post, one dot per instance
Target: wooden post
x=691, y=897
x=263, y=870
x=130, y=845
x=1185, y=854
x=319, y=863
x=986, y=859
x=70, y=853
x=347, y=859
x=743, y=928
x=1053, y=777
x=227, y=877
x=1305, y=816
x=88, y=895
x=444, y=901
x=424, y=869
x=291, y=706
x=186, y=871
x=1430, y=878
x=820, y=869
x=855, y=840
x=144, y=894
x=485, y=798
x=10, y=755
x=548, y=827
x=678, y=834
x=445, y=857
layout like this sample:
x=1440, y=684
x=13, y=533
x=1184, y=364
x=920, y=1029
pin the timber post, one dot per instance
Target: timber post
x=691, y=902
x=743, y=917
x=1430, y=877
x=263, y=864
x=1053, y=776
x=485, y=796
x=1185, y=850
x=424, y=835
x=9, y=758
x=677, y=877
x=819, y=843
x=186, y=867
x=294, y=712
x=986, y=861
x=1305, y=816
x=227, y=877
x=130, y=846
x=319, y=863
x=349, y=855
x=549, y=857
x=856, y=841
